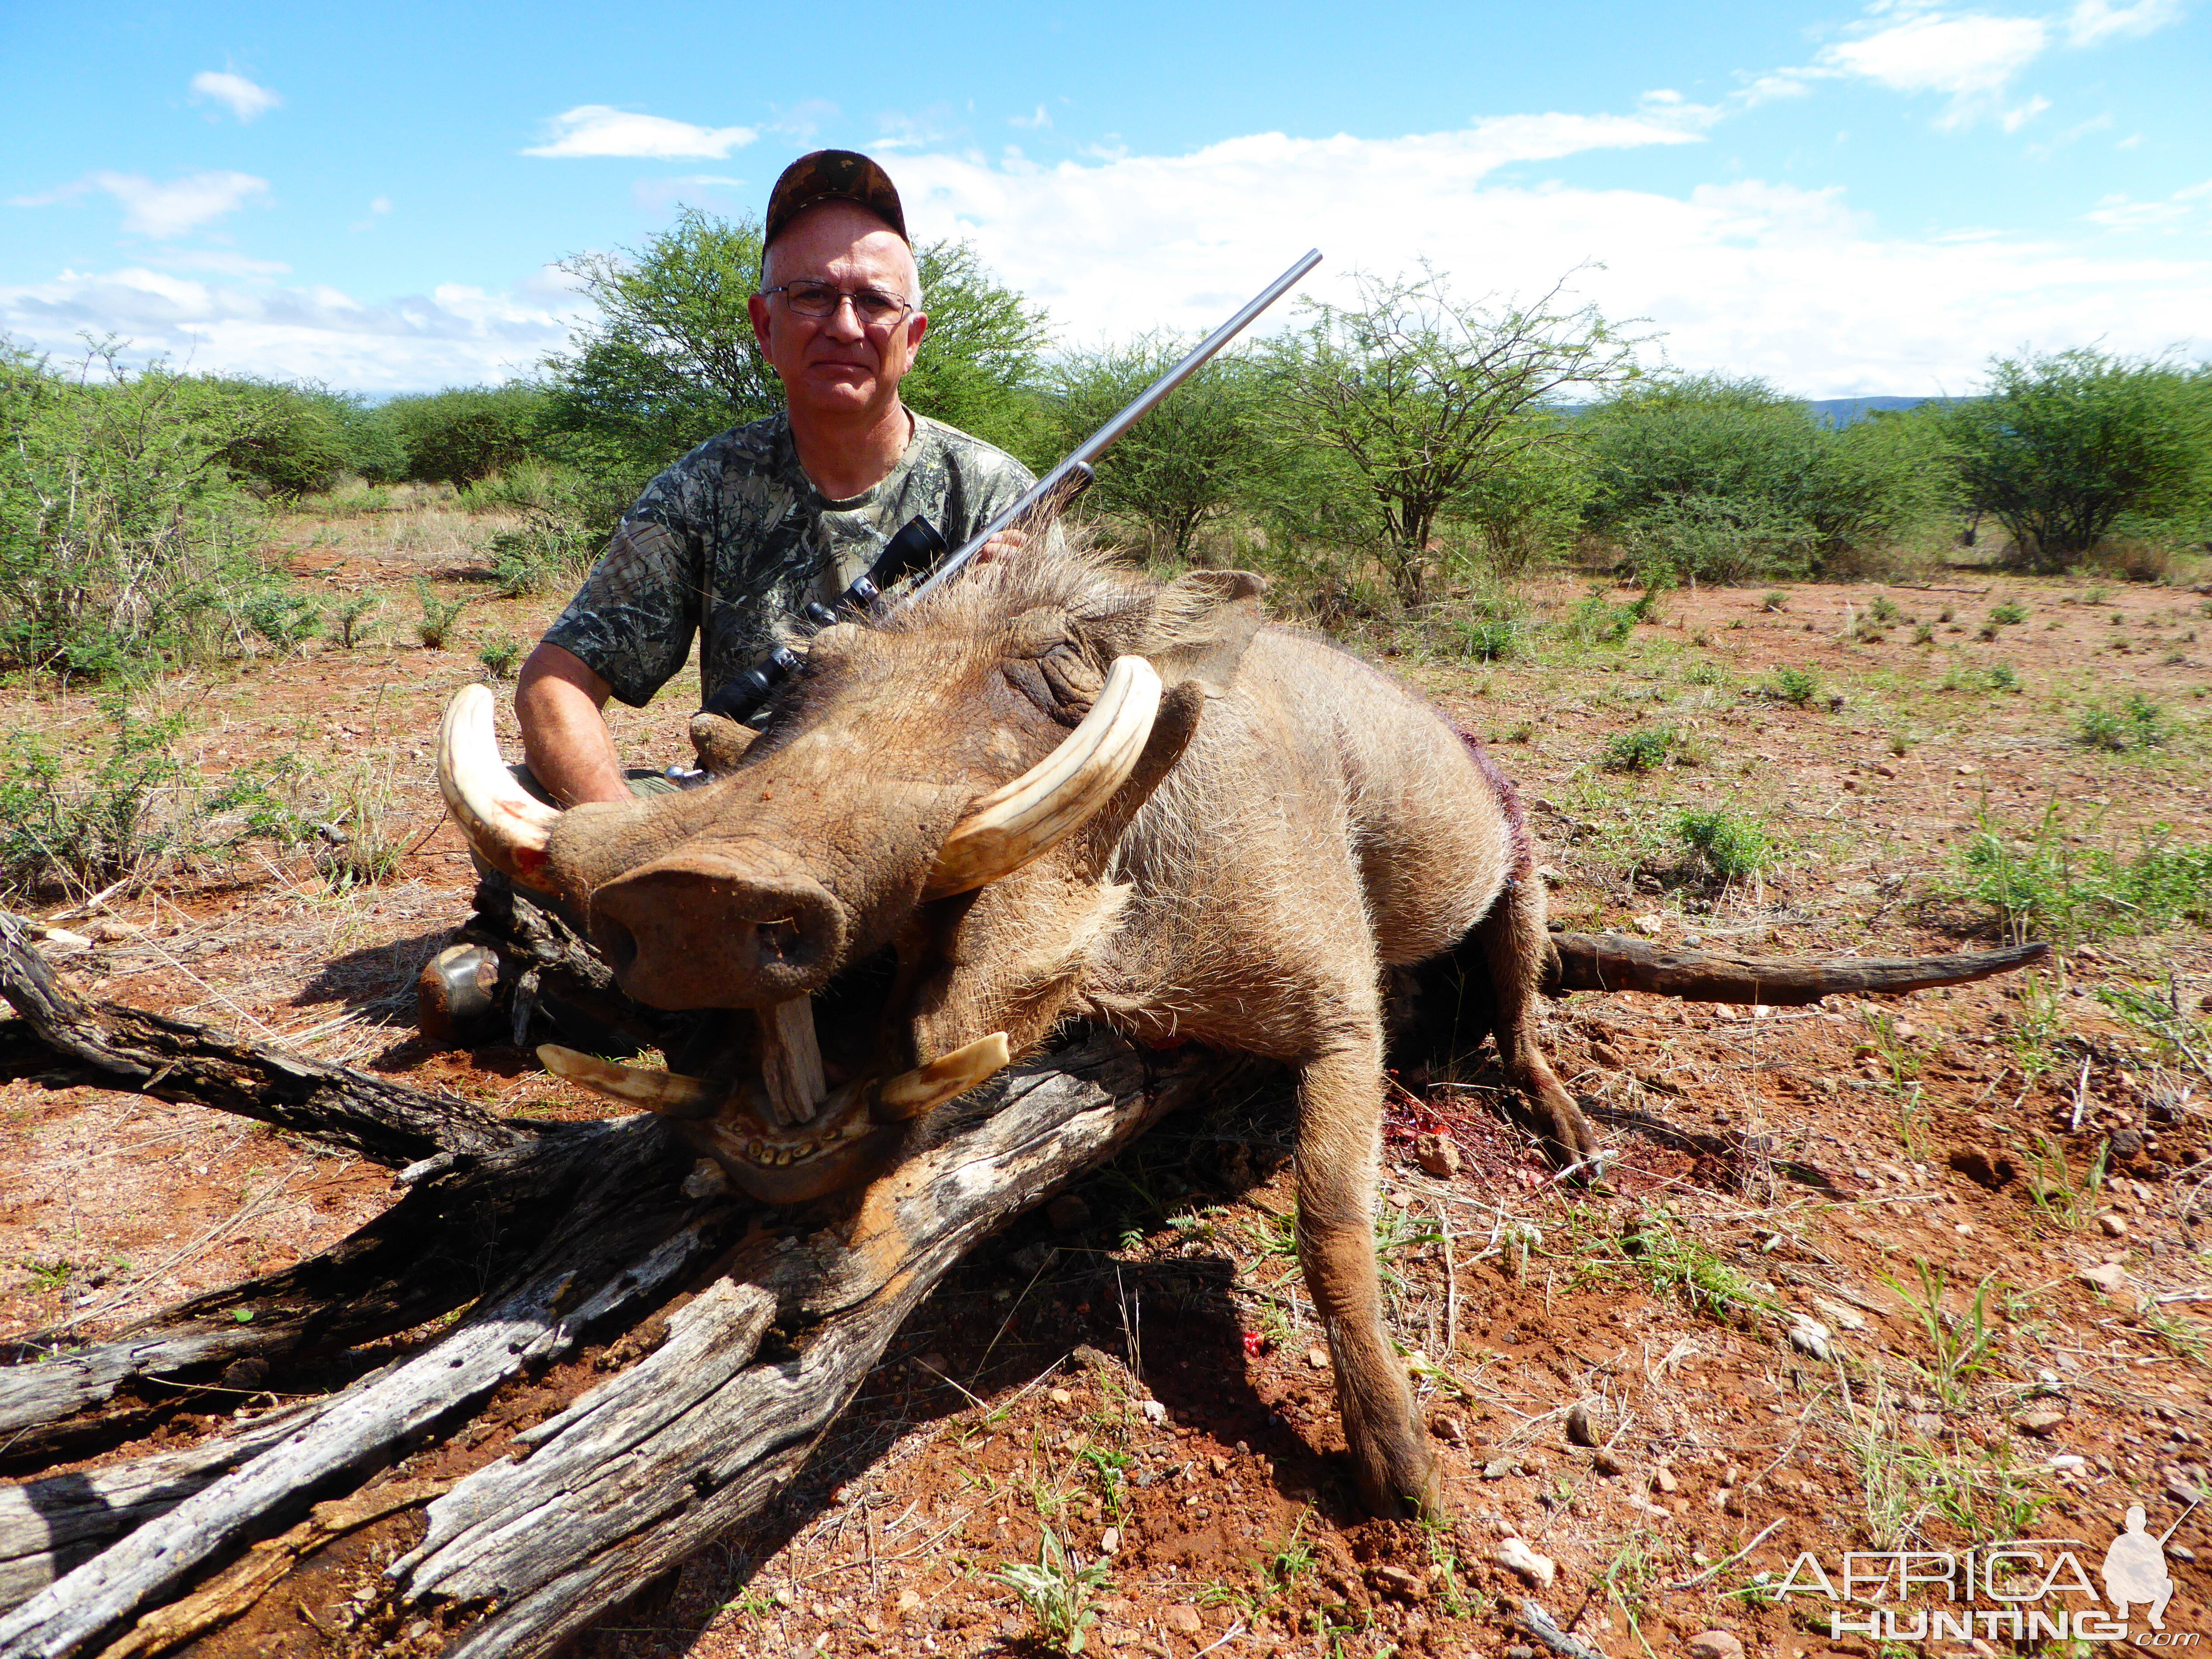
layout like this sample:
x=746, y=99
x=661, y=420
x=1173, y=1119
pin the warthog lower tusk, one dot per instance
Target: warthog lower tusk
x=671, y=1094
x=1028, y=818
x=791, y=1061
x=507, y=828
x=912, y=1093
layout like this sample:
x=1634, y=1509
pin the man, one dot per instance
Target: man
x=752, y=524
x=739, y=534
x=2135, y=1571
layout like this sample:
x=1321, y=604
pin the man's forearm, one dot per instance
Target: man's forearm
x=558, y=699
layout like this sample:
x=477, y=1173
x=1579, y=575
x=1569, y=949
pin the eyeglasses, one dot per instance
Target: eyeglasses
x=874, y=307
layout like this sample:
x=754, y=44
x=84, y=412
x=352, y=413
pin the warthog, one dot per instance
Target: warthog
x=1056, y=789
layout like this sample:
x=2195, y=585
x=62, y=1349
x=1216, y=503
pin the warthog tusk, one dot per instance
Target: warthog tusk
x=1022, y=820
x=791, y=1061
x=912, y=1093
x=671, y=1094
x=507, y=827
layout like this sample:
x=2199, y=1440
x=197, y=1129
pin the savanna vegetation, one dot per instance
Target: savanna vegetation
x=1768, y=685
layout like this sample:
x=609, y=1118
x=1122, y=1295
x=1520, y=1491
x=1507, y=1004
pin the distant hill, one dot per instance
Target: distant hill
x=1842, y=412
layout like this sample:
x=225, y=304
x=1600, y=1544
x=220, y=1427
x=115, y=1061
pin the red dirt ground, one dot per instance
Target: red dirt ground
x=1146, y=1367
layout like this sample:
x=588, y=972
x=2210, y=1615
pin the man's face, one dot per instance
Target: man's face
x=837, y=365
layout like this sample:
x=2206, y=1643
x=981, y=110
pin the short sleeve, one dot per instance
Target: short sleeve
x=631, y=622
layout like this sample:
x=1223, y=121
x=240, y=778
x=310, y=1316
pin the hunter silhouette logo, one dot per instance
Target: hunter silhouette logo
x=2037, y=1587
x=2134, y=1569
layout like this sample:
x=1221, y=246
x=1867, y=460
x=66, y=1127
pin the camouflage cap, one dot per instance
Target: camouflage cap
x=833, y=175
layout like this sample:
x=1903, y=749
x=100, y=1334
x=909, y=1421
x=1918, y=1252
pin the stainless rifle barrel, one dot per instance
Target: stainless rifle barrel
x=1143, y=404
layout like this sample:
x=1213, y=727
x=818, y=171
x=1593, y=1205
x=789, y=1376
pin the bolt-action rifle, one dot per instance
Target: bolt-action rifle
x=919, y=546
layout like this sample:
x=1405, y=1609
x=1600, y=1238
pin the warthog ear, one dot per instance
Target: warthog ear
x=1199, y=626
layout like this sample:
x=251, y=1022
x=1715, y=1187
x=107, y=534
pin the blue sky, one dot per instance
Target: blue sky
x=1848, y=201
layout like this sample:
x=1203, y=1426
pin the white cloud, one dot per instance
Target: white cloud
x=1970, y=57
x=235, y=92
x=162, y=211
x=451, y=335
x=2015, y=119
x=2119, y=212
x=603, y=130
x=2093, y=22
x=1037, y=122
x=1750, y=277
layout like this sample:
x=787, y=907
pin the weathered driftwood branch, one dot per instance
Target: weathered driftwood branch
x=558, y=1239
x=387, y=1123
x=1613, y=962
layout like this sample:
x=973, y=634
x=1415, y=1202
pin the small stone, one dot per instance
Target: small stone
x=872, y=1623
x=1183, y=1620
x=1216, y=1466
x=418, y=1630
x=1439, y=1154
x=1154, y=1411
x=1649, y=924
x=934, y=1360
x=1067, y=1213
x=2115, y=1226
x=1515, y=1555
x=2108, y=1277
x=1497, y=1468
x=1663, y=1480
x=1060, y=1397
x=1609, y=1462
x=1318, y=1357
x=1110, y=1541
x=780, y=1595
x=1090, y=1359
x=1399, y=1582
x=1809, y=1336
x=1714, y=1644
x=2043, y=1421
x=1581, y=1430
x=1549, y=875
x=909, y=1600
x=1446, y=1427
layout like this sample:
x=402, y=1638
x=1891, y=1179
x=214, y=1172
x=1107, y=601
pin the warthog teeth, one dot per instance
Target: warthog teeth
x=669, y=1093
x=754, y=1150
x=913, y=1092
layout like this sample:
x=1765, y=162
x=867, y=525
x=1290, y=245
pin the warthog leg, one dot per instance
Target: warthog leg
x=1517, y=948
x=1339, y=1126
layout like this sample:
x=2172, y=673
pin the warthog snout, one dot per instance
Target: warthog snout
x=700, y=930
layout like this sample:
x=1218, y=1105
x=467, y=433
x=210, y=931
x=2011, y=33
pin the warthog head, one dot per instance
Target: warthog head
x=917, y=845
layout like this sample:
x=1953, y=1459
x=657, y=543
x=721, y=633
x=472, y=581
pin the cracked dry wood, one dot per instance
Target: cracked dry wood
x=387, y=1123
x=617, y=1249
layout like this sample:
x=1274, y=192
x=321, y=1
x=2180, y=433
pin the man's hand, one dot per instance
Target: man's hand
x=1004, y=544
x=558, y=697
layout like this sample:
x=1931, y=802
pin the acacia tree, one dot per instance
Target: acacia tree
x=669, y=358
x=2062, y=445
x=1421, y=393
x=1192, y=456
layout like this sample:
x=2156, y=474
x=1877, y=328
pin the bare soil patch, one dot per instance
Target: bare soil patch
x=1135, y=1369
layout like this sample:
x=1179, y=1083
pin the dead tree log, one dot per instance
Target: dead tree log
x=1613, y=962
x=549, y=1238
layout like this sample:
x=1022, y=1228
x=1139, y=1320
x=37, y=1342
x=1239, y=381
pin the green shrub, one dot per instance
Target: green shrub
x=500, y=657
x=435, y=625
x=60, y=834
x=124, y=536
x=465, y=433
x=2046, y=888
x=2009, y=614
x=352, y=617
x=1728, y=845
x=1796, y=686
x=2061, y=447
x=1641, y=751
x=2003, y=677
x=1728, y=479
x=2136, y=723
x=286, y=619
x=1776, y=600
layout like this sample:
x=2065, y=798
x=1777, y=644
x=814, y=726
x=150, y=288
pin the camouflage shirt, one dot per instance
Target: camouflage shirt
x=735, y=537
